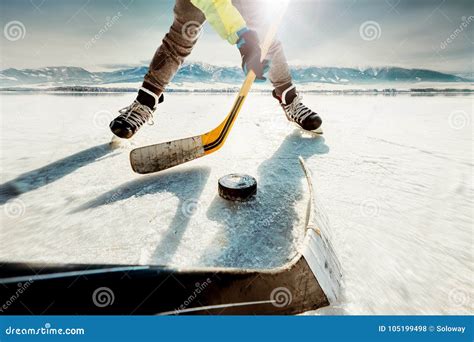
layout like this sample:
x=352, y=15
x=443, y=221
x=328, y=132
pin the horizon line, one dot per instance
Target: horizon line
x=132, y=66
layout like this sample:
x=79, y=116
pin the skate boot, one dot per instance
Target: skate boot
x=297, y=112
x=133, y=117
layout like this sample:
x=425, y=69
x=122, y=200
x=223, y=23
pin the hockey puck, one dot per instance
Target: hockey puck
x=237, y=187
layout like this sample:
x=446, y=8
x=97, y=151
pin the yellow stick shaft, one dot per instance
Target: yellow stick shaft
x=214, y=139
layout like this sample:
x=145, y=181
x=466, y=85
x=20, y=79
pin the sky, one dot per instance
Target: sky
x=430, y=34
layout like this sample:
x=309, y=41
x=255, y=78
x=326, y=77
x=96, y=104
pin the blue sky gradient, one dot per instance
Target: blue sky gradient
x=318, y=32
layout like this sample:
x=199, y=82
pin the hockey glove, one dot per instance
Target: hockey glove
x=249, y=47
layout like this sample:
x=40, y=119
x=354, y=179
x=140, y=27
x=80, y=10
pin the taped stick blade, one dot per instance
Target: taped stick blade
x=162, y=156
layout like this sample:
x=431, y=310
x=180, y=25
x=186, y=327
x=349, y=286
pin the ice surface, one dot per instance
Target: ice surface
x=394, y=174
x=83, y=203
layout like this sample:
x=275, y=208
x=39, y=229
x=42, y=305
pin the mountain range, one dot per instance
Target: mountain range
x=206, y=73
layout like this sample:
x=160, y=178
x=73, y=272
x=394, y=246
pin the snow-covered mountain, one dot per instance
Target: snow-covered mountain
x=206, y=73
x=50, y=75
x=370, y=75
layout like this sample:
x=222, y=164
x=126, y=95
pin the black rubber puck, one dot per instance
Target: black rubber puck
x=237, y=187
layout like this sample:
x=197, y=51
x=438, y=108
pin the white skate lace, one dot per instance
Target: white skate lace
x=297, y=111
x=137, y=114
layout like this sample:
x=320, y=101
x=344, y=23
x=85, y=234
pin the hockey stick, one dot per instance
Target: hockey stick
x=162, y=156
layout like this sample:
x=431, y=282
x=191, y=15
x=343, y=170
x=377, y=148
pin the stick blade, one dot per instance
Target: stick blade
x=162, y=156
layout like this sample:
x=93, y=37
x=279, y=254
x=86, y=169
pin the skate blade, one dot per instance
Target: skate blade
x=116, y=142
x=316, y=132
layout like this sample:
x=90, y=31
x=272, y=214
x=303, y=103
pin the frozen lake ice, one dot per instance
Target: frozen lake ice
x=393, y=172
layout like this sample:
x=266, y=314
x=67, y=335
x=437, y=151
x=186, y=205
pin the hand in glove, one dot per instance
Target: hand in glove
x=249, y=47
